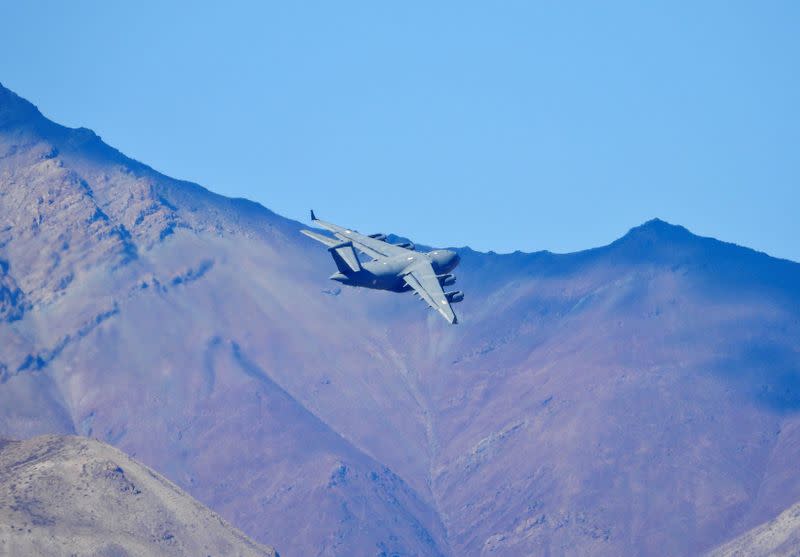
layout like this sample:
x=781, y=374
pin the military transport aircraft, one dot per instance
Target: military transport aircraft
x=394, y=267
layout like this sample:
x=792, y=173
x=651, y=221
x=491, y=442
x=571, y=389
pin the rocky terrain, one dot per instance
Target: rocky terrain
x=67, y=495
x=638, y=398
x=779, y=537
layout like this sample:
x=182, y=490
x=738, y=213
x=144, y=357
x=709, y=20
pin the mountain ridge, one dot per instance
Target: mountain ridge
x=779, y=537
x=72, y=495
x=574, y=384
x=79, y=137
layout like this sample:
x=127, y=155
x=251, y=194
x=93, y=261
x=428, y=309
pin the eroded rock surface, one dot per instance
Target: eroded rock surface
x=67, y=495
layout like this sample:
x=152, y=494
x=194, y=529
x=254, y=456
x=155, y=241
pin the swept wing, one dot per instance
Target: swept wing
x=376, y=249
x=327, y=240
x=422, y=278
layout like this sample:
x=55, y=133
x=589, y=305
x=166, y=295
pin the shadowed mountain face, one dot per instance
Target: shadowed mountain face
x=66, y=495
x=639, y=398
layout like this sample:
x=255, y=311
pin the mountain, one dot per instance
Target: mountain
x=779, y=537
x=65, y=495
x=638, y=398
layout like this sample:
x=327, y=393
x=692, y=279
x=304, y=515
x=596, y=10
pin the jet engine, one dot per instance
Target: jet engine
x=455, y=296
x=446, y=280
x=378, y=236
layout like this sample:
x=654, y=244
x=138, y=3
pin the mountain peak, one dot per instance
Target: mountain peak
x=656, y=232
x=659, y=228
x=656, y=240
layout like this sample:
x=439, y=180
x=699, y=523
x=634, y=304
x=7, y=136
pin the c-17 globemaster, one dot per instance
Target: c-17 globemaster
x=394, y=267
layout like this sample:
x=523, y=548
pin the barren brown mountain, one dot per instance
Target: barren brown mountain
x=642, y=398
x=67, y=495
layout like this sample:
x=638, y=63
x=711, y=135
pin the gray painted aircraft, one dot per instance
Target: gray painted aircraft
x=394, y=267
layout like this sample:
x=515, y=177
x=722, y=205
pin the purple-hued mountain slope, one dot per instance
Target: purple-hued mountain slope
x=639, y=398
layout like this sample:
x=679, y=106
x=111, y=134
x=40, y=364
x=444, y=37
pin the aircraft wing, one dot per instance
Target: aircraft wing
x=327, y=240
x=376, y=249
x=422, y=278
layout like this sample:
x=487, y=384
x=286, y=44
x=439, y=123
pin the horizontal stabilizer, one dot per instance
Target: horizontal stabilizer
x=345, y=258
x=327, y=240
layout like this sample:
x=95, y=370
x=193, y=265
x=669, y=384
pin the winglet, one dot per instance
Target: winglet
x=313, y=216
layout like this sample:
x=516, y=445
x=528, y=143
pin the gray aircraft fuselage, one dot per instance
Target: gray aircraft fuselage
x=392, y=267
x=387, y=274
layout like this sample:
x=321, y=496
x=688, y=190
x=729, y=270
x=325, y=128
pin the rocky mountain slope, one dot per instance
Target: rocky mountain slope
x=780, y=537
x=66, y=495
x=639, y=398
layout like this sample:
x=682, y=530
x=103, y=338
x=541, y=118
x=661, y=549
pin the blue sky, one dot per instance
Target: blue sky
x=499, y=125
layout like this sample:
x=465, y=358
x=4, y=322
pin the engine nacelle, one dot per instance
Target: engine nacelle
x=407, y=245
x=378, y=236
x=446, y=280
x=455, y=296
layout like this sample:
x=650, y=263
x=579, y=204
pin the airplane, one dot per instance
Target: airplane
x=394, y=267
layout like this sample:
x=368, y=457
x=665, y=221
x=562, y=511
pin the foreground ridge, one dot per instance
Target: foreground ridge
x=65, y=495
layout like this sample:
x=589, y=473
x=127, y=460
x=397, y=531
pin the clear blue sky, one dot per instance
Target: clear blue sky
x=499, y=125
